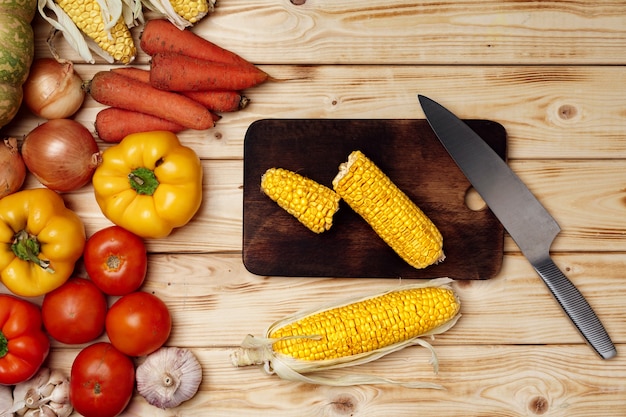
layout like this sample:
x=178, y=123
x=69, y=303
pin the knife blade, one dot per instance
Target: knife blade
x=526, y=220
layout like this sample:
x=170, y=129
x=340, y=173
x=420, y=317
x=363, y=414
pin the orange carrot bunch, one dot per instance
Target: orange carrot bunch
x=190, y=81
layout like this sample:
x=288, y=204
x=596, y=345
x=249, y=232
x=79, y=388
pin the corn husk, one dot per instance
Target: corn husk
x=258, y=350
x=112, y=10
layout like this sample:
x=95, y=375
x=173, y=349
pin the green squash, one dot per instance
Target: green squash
x=16, y=53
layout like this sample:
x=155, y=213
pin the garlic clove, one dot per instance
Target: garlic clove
x=39, y=412
x=41, y=378
x=60, y=393
x=61, y=409
x=169, y=377
x=45, y=390
x=56, y=377
x=24, y=401
x=46, y=411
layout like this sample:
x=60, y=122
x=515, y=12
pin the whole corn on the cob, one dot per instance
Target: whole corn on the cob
x=101, y=26
x=354, y=332
x=313, y=204
x=182, y=13
x=389, y=211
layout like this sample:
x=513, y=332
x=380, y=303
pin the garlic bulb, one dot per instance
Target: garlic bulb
x=169, y=377
x=44, y=395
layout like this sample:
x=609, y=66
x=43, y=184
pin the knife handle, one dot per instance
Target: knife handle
x=577, y=308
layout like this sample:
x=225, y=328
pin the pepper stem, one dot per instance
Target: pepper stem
x=27, y=248
x=143, y=181
x=4, y=345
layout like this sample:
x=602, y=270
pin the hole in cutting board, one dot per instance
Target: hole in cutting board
x=474, y=201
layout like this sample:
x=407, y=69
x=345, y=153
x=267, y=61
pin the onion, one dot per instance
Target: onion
x=62, y=154
x=13, y=170
x=53, y=90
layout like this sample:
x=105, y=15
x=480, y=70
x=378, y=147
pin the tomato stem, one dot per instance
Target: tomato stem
x=113, y=262
x=26, y=247
x=143, y=180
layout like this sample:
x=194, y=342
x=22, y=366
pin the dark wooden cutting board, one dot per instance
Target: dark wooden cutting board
x=276, y=244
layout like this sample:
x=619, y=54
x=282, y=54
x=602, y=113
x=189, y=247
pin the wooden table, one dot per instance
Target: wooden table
x=552, y=73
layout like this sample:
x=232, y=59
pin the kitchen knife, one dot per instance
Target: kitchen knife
x=529, y=224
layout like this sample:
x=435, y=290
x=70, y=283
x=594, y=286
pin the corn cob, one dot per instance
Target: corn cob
x=389, y=211
x=97, y=25
x=87, y=15
x=182, y=13
x=353, y=332
x=192, y=11
x=313, y=204
x=368, y=325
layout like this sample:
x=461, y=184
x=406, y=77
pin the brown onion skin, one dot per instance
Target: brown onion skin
x=53, y=89
x=13, y=172
x=62, y=154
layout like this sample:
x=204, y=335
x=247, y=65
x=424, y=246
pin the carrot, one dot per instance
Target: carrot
x=113, y=124
x=115, y=90
x=133, y=72
x=161, y=36
x=174, y=72
x=219, y=101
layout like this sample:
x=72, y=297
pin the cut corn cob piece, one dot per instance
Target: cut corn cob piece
x=352, y=332
x=95, y=25
x=313, y=204
x=389, y=211
x=181, y=13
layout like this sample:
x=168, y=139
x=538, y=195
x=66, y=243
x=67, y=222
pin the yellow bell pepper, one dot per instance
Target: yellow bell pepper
x=40, y=241
x=149, y=184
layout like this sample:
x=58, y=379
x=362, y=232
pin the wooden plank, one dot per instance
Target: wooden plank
x=414, y=33
x=560, y=381
x=215, y=302
x=585, y=197
x=548, y=112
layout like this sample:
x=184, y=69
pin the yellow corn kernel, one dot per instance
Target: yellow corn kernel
x=389, y=211
x=367, y=325
x=192, y=10
x=313, y=204
x=355, y=331
x=87, y=16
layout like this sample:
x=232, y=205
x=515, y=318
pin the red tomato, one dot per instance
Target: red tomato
x=102, y=380
x=74, y=312
x=116, y=260
x=138, y=323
